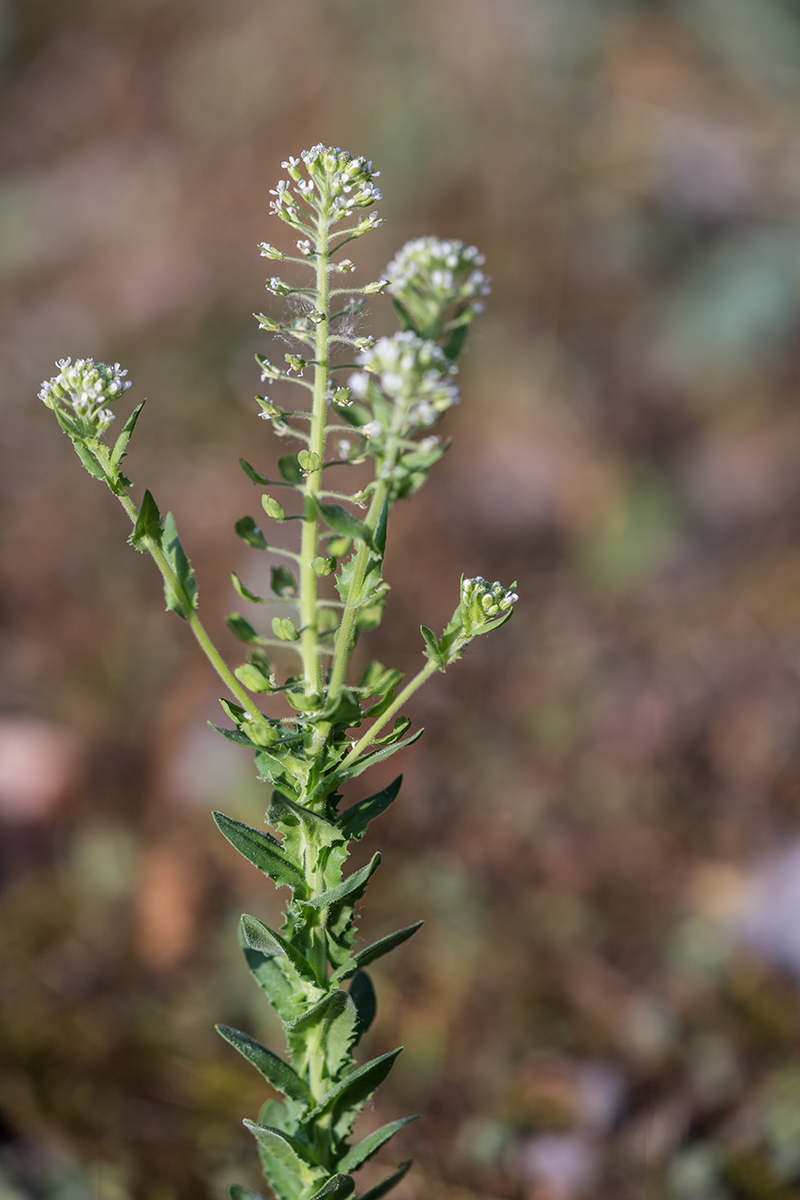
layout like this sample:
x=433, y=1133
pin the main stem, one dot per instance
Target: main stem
x=309, y=638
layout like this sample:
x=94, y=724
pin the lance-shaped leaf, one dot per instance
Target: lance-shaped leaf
x=88, y=459
x=330, y=1024
x=148, y=524
x=339, y=922
x=121, y=444
x=345, y=523
x=376, y=950
x=263, y=852
x=287, y=1164
x=237, y=1192
x=362, y=993
x=351, y=888
x=386, y=1185
x=346, y=1099
x=338, y=1187
x=286, y=996
x=358, y=1155
x=260, y=937
x=277, y=1072
x=353, y=821
x=185, y=598
x=368, y=760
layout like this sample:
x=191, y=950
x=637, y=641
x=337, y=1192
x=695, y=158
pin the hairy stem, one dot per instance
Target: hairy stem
x=309, y=639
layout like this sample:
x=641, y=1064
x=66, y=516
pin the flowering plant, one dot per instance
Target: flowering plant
x=327, y=728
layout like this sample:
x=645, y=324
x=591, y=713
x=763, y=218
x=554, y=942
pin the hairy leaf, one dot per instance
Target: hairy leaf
x=386, y=1185
x=120, y=446
x=353, y=821
x=337, y=1188
x=263, y=852
x=377, y=950
x=358, y=1155
x=363, y=996
x=345, y=1100
x=184, y=572
x=261, y=937
x=277, y=1072
x=148, y=524
x=287, y=1164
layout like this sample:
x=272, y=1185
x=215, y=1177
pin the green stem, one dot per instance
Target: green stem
x=309, y=639
x=195, y=624
x=421, y=677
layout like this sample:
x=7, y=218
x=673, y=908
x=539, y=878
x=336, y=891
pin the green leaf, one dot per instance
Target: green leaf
x=406, y=324
x=287, y=1164
x=273, y=508
x=148, y=524
x=353, y=821
x=344, y=523
x=242, y=629
x=368, y=760
x=380, y=528
x=263, y=852
x=386, y=1185
x=353, y=886
x=286, y=995
x=118, y=453
x=283, y=582
x=343, y=710
x=237, y=1192
x=401, y=724
x=347, y=1097
x=88, y=459
x=432, y=651
x=249, y=532
x=363, y=996
x=260, y=937
x=252, y=474
x=330, y=1024
x=456, y=342
x=377, y=950
x=184, y=572
x=358, y=1155
x=277, y=1072
x=338, y=1187
x=290, y=468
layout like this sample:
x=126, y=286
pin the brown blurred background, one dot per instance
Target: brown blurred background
x=602, y=823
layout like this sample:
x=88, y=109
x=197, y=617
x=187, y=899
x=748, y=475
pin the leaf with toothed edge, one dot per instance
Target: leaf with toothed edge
x=376, y=950
x=358, y=1155
x=337, y=1188
x=263, y=852
x=386, y=1185
x=276, y=1072
x=344, y=1101
x=260, y=937
x=353, y=821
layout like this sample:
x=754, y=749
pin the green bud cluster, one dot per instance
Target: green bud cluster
x=481, y=602
x=327, y=728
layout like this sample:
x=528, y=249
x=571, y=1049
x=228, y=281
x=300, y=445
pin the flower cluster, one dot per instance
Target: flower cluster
x=334, y=185
x=82, y=389
x=429, y=276
x=482, y=602
x=411, y=372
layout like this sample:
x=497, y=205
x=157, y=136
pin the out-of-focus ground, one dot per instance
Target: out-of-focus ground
x=602, y=822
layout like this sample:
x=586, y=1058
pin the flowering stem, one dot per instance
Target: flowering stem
x=408, y=691
x=309, y=638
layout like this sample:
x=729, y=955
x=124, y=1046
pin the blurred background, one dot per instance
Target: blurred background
x=601, y=825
